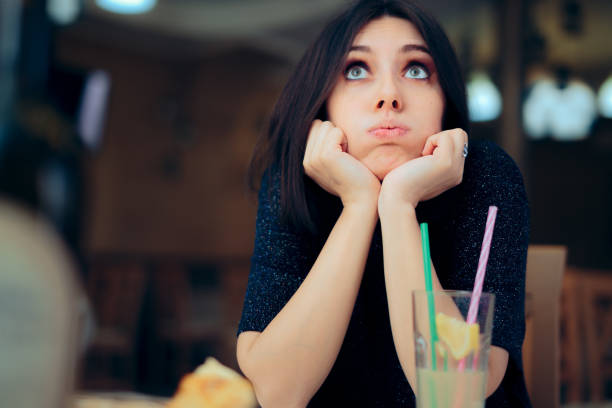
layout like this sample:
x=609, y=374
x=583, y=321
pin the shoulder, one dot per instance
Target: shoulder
x=486, y=158
x=277, y=243
x=491, y=172
x=491, y=177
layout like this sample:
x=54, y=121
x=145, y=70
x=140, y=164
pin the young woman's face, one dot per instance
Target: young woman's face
x=388, y=100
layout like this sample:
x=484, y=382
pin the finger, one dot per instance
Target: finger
x=310, y=142
x=438, y=143
x=334, y=140
x=460, y=140
x=331, y=140
x=431, y=143
x=321, y=135
x=449, y=141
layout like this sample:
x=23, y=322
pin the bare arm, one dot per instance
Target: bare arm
x=290, y=359
x=403, y=259
x=440, y=168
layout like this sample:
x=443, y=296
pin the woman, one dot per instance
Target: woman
x=367, y=140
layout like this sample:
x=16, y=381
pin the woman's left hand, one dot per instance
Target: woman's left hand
x=439, y=168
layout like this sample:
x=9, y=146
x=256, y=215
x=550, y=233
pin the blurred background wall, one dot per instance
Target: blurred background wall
x=133, y=132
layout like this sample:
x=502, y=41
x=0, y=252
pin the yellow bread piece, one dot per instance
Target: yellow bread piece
x=213, y=385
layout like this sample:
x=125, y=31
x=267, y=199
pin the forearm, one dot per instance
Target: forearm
x=404, y=272
x=295, y=353
x=403, y=262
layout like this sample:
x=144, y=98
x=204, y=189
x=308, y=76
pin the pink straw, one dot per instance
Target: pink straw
x=480, y=273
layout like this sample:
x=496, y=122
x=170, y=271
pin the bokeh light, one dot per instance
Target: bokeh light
x=127, y=6
x=484, y=99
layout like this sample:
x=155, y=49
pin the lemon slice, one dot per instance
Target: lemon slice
x=460, y=337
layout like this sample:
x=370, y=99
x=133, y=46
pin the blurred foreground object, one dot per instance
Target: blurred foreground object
x=213, y=385
x=39, y=312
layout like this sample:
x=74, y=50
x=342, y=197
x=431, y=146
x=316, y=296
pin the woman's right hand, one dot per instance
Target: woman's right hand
x=327, y=162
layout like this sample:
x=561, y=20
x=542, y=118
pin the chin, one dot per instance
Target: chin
x=384, y=159
x=381, y=170
x=381, y=173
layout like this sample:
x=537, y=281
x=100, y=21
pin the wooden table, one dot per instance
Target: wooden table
x=116, y=400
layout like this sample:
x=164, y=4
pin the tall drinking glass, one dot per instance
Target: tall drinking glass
x=451, y=355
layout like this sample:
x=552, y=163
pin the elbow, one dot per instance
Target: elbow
x=272, y=391
x=498, y=363
x=273, y=397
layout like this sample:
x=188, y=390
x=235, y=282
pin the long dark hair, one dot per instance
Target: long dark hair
x=281, y=148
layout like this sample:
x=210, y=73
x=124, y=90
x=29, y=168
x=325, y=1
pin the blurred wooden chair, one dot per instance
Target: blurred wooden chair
x=572, y=340
x=39, y=322
x=185, y=317
x=116, y=289
x=597, y=310
x=541, y=351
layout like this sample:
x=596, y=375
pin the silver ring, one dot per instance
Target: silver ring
x=465, y=150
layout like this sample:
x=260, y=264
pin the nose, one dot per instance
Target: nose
x=385, y=103
x=388, y=97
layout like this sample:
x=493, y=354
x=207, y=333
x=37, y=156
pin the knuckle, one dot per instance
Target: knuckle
x=326, y=155
x=315, y=125
x=318, y=161
x=461, y=134
x=307, y=167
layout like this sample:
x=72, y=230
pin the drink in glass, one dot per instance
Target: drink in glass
x=451, y=353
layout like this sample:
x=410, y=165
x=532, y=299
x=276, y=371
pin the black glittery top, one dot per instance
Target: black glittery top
x=367, y=372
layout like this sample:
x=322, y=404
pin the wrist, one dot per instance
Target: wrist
x=362, y=200
x=362, y=208
x=391, y=206
x=393, y=200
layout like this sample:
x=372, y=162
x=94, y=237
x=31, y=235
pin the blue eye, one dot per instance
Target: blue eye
x=356, y=71
x=417, y=71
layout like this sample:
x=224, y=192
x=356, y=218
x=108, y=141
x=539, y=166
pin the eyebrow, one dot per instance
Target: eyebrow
x=405, y=48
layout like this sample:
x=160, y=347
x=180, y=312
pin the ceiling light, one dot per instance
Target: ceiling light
x=565, y=114
x=538, y=108
x=484, y=100
x=127, y=6
x=604, y=98
x=575, y=112
x=63, y=11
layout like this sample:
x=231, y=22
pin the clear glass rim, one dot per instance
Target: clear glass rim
x=451, y=292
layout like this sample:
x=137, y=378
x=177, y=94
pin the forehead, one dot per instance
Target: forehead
x=389, y=30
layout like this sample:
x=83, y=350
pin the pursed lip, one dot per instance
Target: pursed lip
x=388, y=129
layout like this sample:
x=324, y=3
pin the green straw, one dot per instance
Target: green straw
x=429, y=288
x=431, y=308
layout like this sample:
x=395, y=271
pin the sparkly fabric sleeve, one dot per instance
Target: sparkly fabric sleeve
x=508, y=255
x=280, y=262
x=500, y=183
